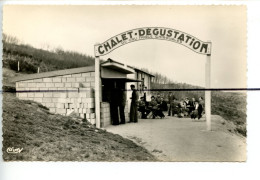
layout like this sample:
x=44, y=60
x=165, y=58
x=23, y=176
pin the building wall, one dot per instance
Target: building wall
x=147, y=82
x=73, y=93
x=105, y=114
x=62, y=94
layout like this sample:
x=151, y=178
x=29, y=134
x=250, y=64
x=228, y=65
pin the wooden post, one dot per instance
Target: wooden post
x=97, y=91
x=38, y=70
x=18, y=66
x=208, y=93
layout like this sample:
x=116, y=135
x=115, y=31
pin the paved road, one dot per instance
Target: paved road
x=180, y=139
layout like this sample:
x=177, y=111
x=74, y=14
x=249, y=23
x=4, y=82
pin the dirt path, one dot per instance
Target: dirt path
x=174, y=139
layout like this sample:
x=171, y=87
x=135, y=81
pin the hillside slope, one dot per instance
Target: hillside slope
x=49, y=137
x=30, y=58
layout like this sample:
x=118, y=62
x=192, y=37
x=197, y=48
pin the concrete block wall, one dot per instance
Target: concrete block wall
x=127, y=117
x=105, y=117
x=62, y=94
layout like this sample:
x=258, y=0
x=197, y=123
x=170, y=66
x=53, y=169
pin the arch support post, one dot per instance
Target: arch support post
x=208, y=92
x=97, y=91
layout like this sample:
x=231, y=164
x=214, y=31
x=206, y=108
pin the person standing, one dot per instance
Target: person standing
x=170, y=101
x=114, y=106
x=145, y=90
x=134, y=102
x=201, y=107
x=121, y=104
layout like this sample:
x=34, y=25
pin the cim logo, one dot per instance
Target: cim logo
x=13, y=150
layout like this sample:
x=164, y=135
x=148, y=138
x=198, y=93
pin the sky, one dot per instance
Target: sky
x=79, y=28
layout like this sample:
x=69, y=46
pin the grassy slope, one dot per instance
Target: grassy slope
x=48, y=137
x=31, y=58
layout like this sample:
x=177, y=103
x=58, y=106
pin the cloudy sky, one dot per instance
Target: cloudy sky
x=78, y=28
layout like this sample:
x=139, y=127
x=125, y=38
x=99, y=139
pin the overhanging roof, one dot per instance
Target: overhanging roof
x=123, y=79
x=118, y=64
x=118, y=67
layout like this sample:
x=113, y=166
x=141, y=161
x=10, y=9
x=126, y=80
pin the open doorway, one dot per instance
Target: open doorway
x=114, y=93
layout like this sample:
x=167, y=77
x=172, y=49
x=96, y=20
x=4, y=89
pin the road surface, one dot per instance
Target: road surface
x=181, y=139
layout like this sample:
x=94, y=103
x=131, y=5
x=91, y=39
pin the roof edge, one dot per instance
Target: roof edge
x=53, y=73
x=136, y=69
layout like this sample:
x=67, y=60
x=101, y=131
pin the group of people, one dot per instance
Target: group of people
x=181, y=108
x=154, y=108
x=157, y=107
x=185, y=107
x=117, y=105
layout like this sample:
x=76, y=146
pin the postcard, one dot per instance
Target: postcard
x=124, y=83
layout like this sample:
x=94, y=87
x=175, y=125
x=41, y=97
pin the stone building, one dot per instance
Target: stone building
x=73, y=90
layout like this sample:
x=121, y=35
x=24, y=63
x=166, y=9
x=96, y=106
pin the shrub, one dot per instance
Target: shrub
x=241, y=130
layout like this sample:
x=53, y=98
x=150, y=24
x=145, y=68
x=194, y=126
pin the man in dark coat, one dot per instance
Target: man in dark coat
x=121, y=104
x=201, y=107
x=134, y=103
x=145, y=90
x=171, y=97
x=114, y=106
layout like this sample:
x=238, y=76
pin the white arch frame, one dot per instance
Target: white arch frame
x=156, y=33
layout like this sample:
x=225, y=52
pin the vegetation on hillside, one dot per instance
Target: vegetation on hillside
x=44, y=136
x=31, y=58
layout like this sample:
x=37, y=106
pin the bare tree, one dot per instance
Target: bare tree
x=10, y=39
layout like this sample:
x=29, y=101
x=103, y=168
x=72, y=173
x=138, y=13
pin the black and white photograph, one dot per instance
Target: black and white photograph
x=124, y=83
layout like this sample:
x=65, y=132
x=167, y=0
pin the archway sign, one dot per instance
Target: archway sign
x=156, y=33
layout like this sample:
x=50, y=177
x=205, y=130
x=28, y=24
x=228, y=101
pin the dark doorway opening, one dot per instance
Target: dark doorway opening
x=114, y=92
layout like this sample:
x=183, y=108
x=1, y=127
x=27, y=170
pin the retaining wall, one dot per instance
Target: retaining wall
x=62, y=94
